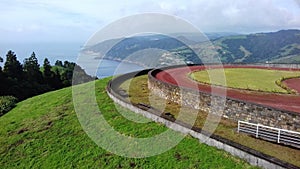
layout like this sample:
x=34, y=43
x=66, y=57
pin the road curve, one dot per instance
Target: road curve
x=280, y=101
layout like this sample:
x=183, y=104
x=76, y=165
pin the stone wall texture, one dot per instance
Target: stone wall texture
x=227, y=107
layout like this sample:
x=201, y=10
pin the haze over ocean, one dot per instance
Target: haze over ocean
x=51, y=50
x=63, y=51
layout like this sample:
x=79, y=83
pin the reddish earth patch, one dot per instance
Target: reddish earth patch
x=293, y=84
x=179, y=76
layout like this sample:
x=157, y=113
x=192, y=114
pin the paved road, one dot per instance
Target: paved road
x=178, y=76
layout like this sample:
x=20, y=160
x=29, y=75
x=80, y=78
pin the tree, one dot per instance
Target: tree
x=12, y=67
x=58, y=63
x=67, y=73
x=51, y=78
x=47, y=69
x=56, y=82
x=2, y=79
x=13, y=76
x=1, y=60
x=32, y=69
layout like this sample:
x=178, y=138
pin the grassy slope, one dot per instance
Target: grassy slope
x=244, y=78
x=43, y=132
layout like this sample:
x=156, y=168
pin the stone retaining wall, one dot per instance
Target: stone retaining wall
x=231, y=108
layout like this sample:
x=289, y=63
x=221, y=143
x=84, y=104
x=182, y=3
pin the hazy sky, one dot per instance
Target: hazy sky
x=77, y=20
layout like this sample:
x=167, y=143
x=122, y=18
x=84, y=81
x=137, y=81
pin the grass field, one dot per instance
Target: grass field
x=245, y=78
x=44, y=132
x=139, y=93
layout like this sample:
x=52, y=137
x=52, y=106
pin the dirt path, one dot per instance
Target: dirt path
x=293, y=84
x=178, y=76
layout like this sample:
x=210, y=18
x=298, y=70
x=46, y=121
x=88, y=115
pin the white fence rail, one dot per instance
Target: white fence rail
x=282, y=136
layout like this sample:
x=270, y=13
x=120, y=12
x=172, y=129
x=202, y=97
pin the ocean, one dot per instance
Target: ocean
x=52, y=51
x=110, y=67
x=69, y=52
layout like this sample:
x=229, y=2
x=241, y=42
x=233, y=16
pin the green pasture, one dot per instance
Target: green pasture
x=245, y=78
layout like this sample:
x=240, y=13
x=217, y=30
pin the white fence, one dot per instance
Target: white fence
x=282, y=136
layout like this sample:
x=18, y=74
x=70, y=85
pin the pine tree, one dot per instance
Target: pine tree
x=57, y=80
x=13, y=76
x=12, y=67
x=3, y=86
x=47, y=69
x=1, y=60
x=32, y=69
x=49, y=76
x=59, y=63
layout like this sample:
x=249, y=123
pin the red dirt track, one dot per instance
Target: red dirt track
x=293, y=84
x=179, y=76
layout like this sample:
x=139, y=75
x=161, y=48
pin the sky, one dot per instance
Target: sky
x=77, y=20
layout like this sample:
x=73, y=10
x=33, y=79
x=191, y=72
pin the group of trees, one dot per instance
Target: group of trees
x=29, y=79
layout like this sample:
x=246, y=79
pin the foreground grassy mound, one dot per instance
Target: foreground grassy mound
x=245, y=78
x=43, y=132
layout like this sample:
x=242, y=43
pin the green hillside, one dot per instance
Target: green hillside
x=275, y=47
x=44, y=132
x=278, y=47
x=158, y=49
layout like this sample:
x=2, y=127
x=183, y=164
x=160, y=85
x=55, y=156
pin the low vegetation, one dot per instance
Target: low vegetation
x=7, y=103
x=246, y=78
x=280, y=82
x=44, y=132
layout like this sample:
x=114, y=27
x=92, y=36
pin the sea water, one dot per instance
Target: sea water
x=68, y=52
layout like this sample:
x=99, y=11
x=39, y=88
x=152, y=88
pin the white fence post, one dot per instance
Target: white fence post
x=278, y=140
x=257, y=130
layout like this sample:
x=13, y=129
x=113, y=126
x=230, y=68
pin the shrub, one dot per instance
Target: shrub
x=7, y=103
x=285, y=87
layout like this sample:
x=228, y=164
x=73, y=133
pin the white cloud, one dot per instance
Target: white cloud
x=77, y=20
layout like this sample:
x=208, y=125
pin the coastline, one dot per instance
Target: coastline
x=120, y=60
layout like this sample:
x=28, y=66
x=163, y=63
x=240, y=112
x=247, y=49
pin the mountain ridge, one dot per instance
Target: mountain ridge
x=272, y=47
